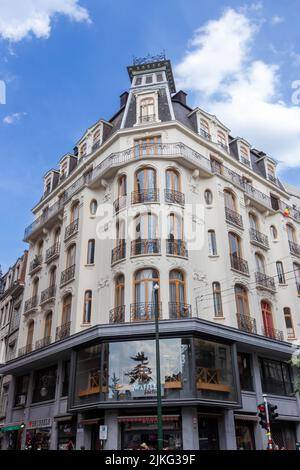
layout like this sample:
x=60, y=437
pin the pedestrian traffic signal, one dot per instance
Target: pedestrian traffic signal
x=263, y=416
x=272, y=414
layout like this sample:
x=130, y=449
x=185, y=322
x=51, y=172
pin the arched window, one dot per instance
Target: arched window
x=245, y=322
x=40, y=248
x=229, y=199
x=83, y=150
x=66, y=309
x=289, y=322
x=260, y=263
x=87, y=308
x=222, y=141
x=212, y=243
x=30, y=332
x=244, y=154
x=74, y=212
x=175, y=241
x=48, y=326
x=217, y=297
x=71, y=256
x=235, y=251
x=208, y=197
x=268, y=326
x=91, y=252
x=204, y=129
x=52, y=276
x=119, y=291
x=296, y=268
x=93, y=206
x=122, y=186
x=146, y=295
x=57, y=235
x=146, y=240
x=253, y=222
x=291, y=233
x=96, y=136
x=273, y=231
x=177, y=305
x=173, y=193
x=145, y=186
x=147, y=112
x=35, y=287
x=280, y=272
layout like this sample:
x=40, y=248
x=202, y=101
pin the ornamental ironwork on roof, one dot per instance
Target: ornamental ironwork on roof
x=150, y=63
x=149, y=59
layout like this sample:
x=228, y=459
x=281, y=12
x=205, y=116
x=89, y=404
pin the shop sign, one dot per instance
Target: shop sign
x=40, y=423
x=145, y=390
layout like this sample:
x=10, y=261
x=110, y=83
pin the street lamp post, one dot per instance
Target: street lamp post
x=158, y=382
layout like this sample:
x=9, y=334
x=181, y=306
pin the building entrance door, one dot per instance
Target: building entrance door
x=208, y=433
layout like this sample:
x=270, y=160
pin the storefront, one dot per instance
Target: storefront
x=208, y=429
x=244, y=431
x=11, y=436
x=38, y=434
x=140, y=432
x=66, y=435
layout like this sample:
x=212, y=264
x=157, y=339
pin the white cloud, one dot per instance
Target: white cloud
x=12, y=118
x=20, y=18
x=242, y=91
x=276, y=20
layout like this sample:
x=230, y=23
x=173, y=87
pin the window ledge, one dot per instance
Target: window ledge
x=209, y=206
x=214, y=256
x=89, y=265
x=240, y=272
x=85, y=325
x=282, y=285
x=219, y=318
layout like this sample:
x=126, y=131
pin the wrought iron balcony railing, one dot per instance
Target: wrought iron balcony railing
x=145, y=247
x=246, y=323
x=67, y=275
x=233, y=217
x=42, y=343
x=117, y=314
x=31, y=303
x=147, y=118
x=174, y=197
x=63, y=331
x=25, y=350
x=272, y=178
x=145, y=311
x=120, y=203
x=36, y=263
x=52, y=252
x=294, y=248
x=223, y=146
x=177, y=248
x=119, y=252
x=272, y=333
x=15, y=321
x=71, y=229
x=48, y=293
x=239, y=264
x=245, y=161
x=178, y=310
x=146, y=195
x=258, y=237
x=205, y=134
x=95, y=145
x=264, y=281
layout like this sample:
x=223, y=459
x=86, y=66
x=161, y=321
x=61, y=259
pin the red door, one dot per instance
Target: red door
x=267, y=319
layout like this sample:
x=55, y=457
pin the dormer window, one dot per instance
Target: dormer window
x=147, y=113
x=64, y=171
x=271, y=173
x=83, y=149
x=96, y=139
x=48, y=186
x=204, y=129
x=244, y=155
x=159, y=77
x=222, y=140
x=138, y=81
x=149, y=79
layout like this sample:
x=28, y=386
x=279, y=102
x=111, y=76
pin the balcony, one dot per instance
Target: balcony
x=31, y=304
x=239, y=264
x=146, y=195
x=95, y=145
x=71, y=229
x=63, y=331
x=25, y=350
x=233, y=218
x=117, y=314
x=14, y=322
x=145, y=311
x=178, y=310
x=205, y=134
x=245, y=161
x=118, y=253
x=272, y=333
x=36, y=264
x=48, y=294
x=294, y=248
x=246, y=323
x=272, y=178
x=52, y=252
x=67, y=275
x=223, y=146
x=145, y=247
x=120, y=204
x=177, y=248
x=147, y=118
x=174, y=197
x=42, y=343
x=258, y=238
x=265, y=282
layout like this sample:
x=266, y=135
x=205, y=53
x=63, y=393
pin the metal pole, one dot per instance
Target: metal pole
x=270, y=443
x=158, y=382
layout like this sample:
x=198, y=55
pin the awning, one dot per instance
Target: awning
x=246, y=417
x=90, y=421
x=147, y=419
x=14, y=427
x=63, y=418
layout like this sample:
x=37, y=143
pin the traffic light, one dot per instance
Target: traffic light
x=272, y=414
x=262, y=414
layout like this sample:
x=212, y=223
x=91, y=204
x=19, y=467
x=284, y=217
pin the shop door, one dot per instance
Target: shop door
x=208, y=433
x=244, y=435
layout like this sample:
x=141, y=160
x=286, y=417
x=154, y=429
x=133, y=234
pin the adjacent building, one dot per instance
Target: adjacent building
x=158, y=210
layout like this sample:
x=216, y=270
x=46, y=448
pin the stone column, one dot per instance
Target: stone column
x=80, y=432
x=59, y=379
x=190, y=436
x=111, y=421
x=227, y=431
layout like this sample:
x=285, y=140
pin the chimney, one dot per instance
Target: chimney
x=180, y=96
x=123, y=98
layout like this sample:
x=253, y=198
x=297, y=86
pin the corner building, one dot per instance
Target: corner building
x=228, y=301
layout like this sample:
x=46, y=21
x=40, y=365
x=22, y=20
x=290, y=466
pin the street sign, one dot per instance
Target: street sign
x=103, y=433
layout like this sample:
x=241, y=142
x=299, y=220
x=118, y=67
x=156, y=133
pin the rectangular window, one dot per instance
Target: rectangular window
x=159, y=77
x=280, y=272
x=149, y=79
x=22, y=383
x=44, y=385
x=66, y=378
x=276, y=377
x=289, y=322
x=245, y=373
x=147, y=146
x=138, y=81
x=212, y=243
x=88, y=381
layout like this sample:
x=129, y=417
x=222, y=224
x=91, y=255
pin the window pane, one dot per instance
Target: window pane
x=44, y=385
x=87, y=382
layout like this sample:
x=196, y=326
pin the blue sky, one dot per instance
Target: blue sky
x=64, y=66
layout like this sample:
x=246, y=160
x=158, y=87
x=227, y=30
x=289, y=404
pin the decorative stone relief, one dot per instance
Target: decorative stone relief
x=103, y=283
x=144, y=262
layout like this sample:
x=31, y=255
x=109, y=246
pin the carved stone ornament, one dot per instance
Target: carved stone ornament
x=103, y=283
